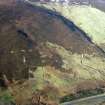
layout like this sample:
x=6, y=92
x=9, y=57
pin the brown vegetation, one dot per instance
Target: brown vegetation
x=23, y=28
x=45, y=96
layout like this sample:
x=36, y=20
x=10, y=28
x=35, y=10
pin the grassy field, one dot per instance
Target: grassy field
x=86, y=67
x=75, y=72
x=71, y=73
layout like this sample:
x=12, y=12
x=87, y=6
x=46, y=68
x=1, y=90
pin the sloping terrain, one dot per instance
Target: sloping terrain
x=89, y=19
x=25, y=29
x=49, y=50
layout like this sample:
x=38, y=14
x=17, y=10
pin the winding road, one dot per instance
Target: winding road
x=93, y=100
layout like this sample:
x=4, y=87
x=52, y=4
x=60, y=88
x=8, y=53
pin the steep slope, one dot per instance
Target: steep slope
x=42, y=45
x=25, y=28
x=89, y=19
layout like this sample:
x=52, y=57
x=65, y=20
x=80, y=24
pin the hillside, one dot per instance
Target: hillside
x=89, y=19
x=26, y=35
x=46, y=50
